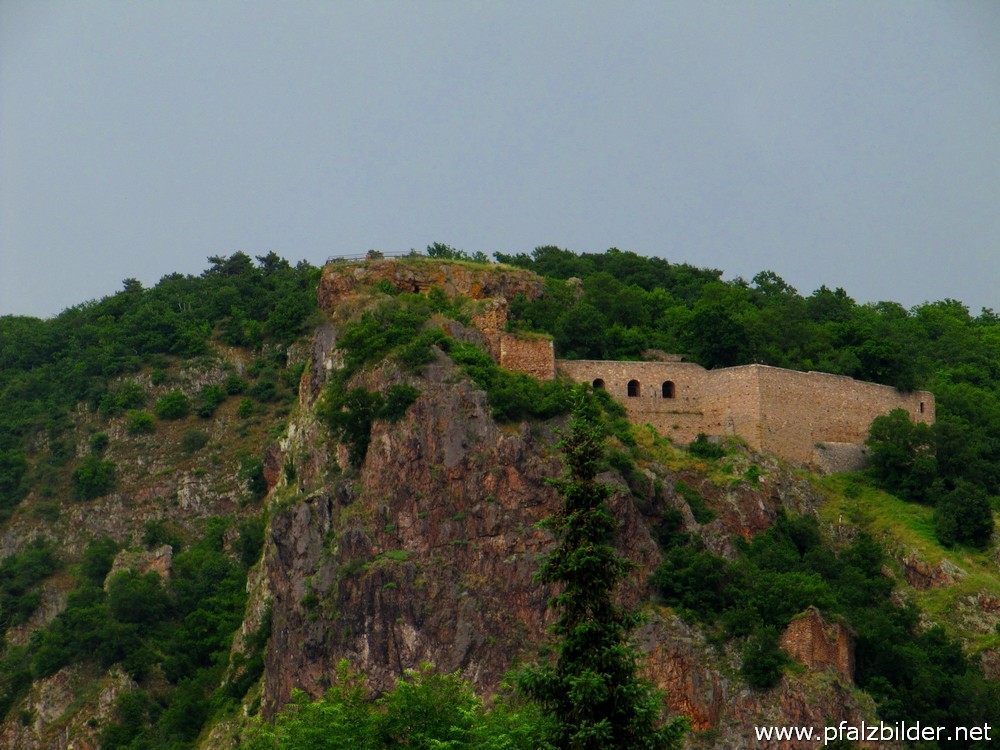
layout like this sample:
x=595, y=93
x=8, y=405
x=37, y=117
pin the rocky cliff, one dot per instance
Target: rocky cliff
x=427, y=552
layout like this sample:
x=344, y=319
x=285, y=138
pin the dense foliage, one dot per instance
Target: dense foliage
x=912, y=672
x=905, y=461
x=593, y=691
x=48, y=366
x=426, y=710
x=172, y=636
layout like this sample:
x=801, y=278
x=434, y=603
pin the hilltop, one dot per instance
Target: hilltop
x=218, y=488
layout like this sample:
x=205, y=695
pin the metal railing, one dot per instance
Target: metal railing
x=376, y=255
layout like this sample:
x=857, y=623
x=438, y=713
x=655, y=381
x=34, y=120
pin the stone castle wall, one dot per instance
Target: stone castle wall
x=534, y=356
x=802, y=410
x=807, y=417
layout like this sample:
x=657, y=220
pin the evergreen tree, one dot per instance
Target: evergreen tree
x=593, y=691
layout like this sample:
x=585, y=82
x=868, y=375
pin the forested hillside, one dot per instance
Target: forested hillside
x=157, y=424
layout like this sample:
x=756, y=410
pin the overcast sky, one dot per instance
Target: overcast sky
x=841, y=143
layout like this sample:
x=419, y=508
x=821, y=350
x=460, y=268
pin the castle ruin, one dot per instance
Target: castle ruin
x=807, y=417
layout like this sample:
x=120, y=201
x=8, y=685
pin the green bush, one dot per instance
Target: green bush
x=252, y=472
x=209, y=398
x=398, y=398
x=129, y=395
x=245, y=408
x=98, y=557
x=137, y=599
x=763, y=660
x=139, y=422
x=512, y=395
x=702, y=447
x=235, y=385
x=156, y=533
x=351, y=415
x=173, y=405
x=93, y=478
x=193, y=440
x=964, y=516
x=699, y=508
x=418, y=352
x=20, y=575
x=266, y=390
x=99, y=443
x=902, y=458
x=13, y=468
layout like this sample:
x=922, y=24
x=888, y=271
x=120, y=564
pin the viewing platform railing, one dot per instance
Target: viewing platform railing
x=378, y=255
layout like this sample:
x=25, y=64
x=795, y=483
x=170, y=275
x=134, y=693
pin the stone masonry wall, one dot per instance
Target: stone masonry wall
x=534, y=356
x=797, y=415
x=802, y=409
x=680, y=418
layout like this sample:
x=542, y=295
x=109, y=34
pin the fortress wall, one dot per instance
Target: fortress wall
x=801, y=409
x=536, y=357
x=809, y=417
x=679, y=418
x=732, y=404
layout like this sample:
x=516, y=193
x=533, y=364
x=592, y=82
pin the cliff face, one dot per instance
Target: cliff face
x=428, y=552
x=425, y=554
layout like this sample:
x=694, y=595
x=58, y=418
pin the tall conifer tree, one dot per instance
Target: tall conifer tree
x=593, y=690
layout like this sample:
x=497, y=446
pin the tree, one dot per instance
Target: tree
x=964, y=516
x=593, y=691
x=902, y=456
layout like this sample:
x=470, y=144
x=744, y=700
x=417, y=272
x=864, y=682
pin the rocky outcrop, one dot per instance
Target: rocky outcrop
x=427, y=554
x=341, y=280
x=158, y=560
x=64, y=711
x=923, y=575
x=698, y=679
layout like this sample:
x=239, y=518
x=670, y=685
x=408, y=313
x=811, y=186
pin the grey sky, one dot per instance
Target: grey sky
x=846, y=144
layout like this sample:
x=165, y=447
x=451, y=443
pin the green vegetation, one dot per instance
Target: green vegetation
x=631, y=303
x=19, y=577
x=117, y=357
x=513, y=395
x=193, y=440
x=593, y=692
x=426, y=710
x=174, y=405
x=173, y=637
x=93, y=478
x=351, y=415
x=904, y=461
x=47, y=367
x=139, y=422
x=912, y=672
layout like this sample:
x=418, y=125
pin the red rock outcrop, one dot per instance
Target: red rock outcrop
x=341, y=280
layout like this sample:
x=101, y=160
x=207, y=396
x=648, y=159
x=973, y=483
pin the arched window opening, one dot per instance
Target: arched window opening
x=633, y=388
x=668, y=389
x=598, y=385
